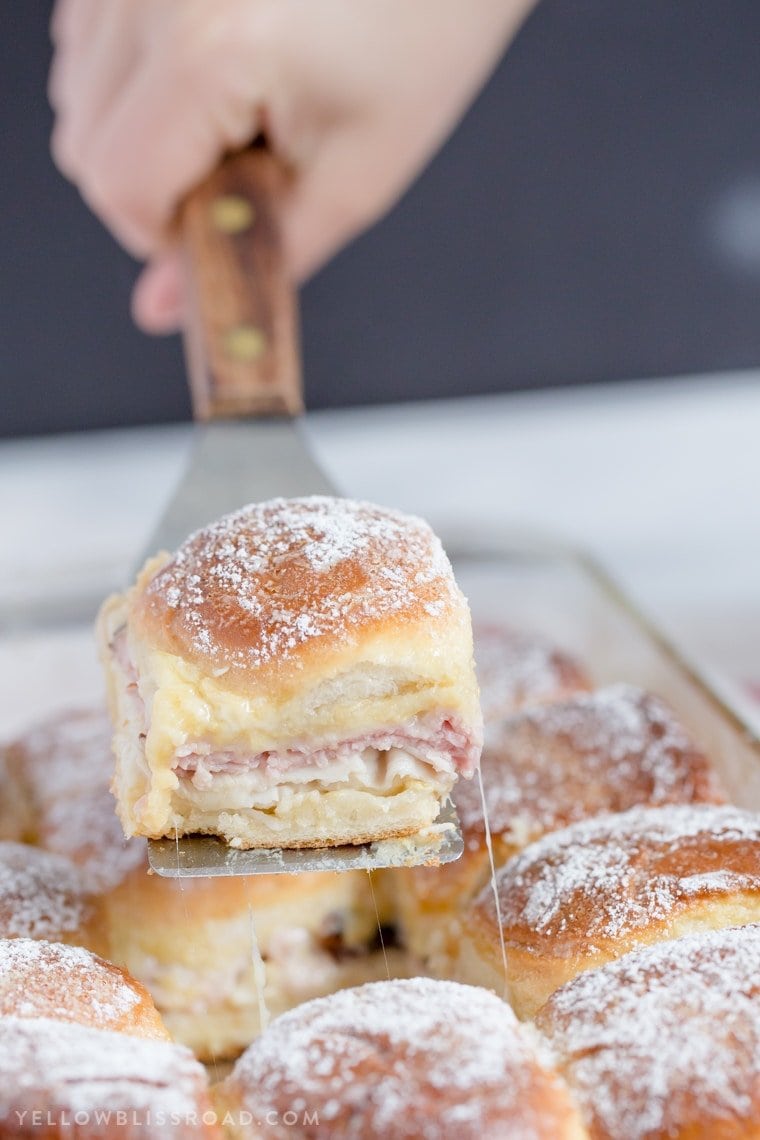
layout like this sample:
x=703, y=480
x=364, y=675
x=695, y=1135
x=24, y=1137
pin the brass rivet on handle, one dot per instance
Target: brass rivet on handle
x=245, y=343
x=231, y=214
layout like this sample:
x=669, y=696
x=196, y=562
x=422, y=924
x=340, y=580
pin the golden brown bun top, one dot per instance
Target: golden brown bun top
x=606, y=751
x=42, y=895
x=65, y=1069
x=665, y=1041
x=63, y=752
x=598, y=882
x=68, y=983
x=518, y=669
x=270, y=588
x=414, y=1058
x=63, y=766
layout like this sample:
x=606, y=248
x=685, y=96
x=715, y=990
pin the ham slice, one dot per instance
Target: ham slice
x=439, y=742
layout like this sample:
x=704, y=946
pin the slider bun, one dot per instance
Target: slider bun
x=606, y=751
x=285, y=594
x=588, y=894
x=190, y=942
x=59, y=1079
x=412, y=1059
x=13, y=804
x=61, y=770
x=303, y=633
x=543, y=769
x=68, y=983
x=518, y=670
x=61, y=754
x=664, y=1044
x=44, y=896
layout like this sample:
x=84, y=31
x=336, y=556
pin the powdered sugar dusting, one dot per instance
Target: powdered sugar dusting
x=64, y=767
x=63, y=751
x=407, y=1058
x=41, y=895
x=666, y=1039
x=289, y=571
x=516, y=668
x=62, y=1068
x=86, y=829
x=44, y=979
x=597, y=752
x=606, y=877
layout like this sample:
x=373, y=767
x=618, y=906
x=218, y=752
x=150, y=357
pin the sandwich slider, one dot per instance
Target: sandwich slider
x=298, y=674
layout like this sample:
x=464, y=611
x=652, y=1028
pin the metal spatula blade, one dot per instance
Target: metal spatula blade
x=234, y=462
x=203, y=856
x=242, y=351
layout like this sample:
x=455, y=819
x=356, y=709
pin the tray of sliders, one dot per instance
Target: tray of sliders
x=590, y=966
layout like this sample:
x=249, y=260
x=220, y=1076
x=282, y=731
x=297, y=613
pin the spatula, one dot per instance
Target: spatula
x=242, y=352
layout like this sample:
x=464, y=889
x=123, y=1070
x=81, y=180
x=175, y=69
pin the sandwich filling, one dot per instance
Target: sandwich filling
x=428, y=751
x=381, y=762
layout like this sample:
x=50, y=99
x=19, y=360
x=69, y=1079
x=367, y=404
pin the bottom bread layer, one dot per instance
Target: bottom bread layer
x=319, y=818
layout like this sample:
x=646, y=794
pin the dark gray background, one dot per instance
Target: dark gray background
x=595, y=217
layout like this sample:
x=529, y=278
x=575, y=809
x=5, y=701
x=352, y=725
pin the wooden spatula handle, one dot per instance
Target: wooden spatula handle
x=241, y=335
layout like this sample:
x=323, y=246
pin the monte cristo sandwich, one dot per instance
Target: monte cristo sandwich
x=298, y=674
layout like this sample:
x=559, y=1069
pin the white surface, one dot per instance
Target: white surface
x=44, y=673
x=659, y=480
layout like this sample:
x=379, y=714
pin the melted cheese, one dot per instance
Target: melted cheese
x=382, y=773
x=180, y=707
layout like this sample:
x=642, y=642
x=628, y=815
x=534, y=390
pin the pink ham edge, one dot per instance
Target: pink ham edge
x=440, y=740
x=437, y=741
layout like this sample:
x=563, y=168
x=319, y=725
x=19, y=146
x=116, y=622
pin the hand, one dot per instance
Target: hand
x=353, y=95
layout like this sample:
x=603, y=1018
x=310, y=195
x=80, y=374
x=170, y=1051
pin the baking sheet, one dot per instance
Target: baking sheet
x=564, y=596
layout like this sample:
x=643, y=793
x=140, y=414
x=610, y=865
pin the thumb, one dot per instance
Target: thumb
x=158, y=298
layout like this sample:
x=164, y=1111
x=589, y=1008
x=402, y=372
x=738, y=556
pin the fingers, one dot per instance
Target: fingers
x=85, y=90
x=315, y=223
x=149, y=96
x=150, y=93
x=347, y=185
x=143, y=132
x=158, y=296
x=71, y=24
x=72, y=20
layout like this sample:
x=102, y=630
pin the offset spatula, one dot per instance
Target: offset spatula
x=242, y=351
